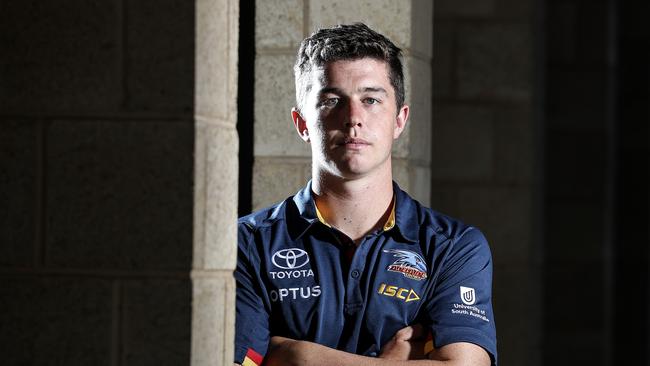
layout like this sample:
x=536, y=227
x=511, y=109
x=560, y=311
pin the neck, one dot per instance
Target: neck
x=355, y=207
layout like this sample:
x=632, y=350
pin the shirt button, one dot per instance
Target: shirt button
x=355, y=274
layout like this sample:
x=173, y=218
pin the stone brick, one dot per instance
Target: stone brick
x=215, y=210
x=156, y=322
x=567, y=236
x=569, y=282
x=422, y=27
x=274, y=97
x=276, y=179
x=495, y=61
x=445, y=199
x=213, y=320
x=391, y=18
x=504, y=216
x=446, y=9
x=18, y=182
x=160, y=56
x=516, y=9
x=514, y=147
x=215, y=85
x=419, y=127
x=577, y=347
x=56, y=321
x=577, y=99
x=119, y=194
x=59, y=57
x=401, y=173
x=518, y=315
x=421, y=184
x=574, y=165
x=463, y=143
x=278, y=24
x=443, y=49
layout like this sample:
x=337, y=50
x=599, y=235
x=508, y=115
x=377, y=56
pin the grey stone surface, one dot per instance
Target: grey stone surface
x=156, y=322
x=419, y=127
x=59, y=57
x=215, y=210
x=391, y=18
x=18, y=184
x=514, y=147
x=572, y=281
x=276, y=179
x=494, y=61
x=515, y=9
x=213, y=319
x=517, y=310
x=463, y=143
x=443, y=66
x=160, y=56
x=275, y=94
x=119, y=194
x=422, y=27
x=217, y=34
x=55, y=321
x=445, y=9
x=575, y=159
x=566, y=239
x=421, y=184
x=503, y=215
x=279, y=24
x=587, y=92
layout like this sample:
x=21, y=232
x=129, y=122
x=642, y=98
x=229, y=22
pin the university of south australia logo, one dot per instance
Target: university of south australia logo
x=467, y=295
x=408, y=263
x=292, y=258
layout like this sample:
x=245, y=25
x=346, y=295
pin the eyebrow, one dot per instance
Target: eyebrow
x=367, y=89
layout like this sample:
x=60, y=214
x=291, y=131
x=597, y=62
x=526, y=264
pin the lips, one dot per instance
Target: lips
x=353, y=142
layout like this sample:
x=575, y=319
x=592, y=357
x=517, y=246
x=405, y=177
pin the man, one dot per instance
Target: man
x=351, y=270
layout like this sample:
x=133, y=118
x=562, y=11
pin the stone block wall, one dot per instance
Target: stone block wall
x=484, y=160
x=282, y=161
x=96, y=157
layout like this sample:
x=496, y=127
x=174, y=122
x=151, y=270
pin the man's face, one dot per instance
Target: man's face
x=350, y=117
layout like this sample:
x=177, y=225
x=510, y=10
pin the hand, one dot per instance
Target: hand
x=406, y=344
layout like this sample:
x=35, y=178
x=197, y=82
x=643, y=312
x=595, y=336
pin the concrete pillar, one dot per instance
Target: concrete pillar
x=216, y=167
x=282, y=160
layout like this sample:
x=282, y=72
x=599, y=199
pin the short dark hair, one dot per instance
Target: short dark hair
x=347, y=42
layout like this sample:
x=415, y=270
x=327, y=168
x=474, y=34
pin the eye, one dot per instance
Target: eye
x=371, y=101
x=329, y=102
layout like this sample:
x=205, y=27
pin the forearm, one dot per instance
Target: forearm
x=290, y=352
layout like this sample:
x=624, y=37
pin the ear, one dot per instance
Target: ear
x=400, y=121
x=300, y=123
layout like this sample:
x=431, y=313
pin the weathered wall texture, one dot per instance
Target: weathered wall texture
x=282, y=160
x=96, y=167
x=215, y=189
x=484, y=153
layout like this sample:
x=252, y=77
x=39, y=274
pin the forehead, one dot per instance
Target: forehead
x=365, y=70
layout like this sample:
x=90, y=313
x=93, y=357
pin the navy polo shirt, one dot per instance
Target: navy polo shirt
x=293, y=280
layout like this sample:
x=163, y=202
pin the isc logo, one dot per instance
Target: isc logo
x=400, y=293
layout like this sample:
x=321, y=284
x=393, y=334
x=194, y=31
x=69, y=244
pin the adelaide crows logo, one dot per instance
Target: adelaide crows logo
x=408, y=263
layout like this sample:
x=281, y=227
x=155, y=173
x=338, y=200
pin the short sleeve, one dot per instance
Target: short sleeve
x=252, y=315
x=460, y=306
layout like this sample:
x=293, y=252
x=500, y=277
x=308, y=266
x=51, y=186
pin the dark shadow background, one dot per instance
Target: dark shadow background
x=96, y=169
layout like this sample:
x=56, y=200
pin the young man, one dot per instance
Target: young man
x=351, y=270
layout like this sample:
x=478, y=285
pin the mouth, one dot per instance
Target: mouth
x=353, y=143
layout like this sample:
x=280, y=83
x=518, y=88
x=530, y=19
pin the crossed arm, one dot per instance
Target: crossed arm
x=405, y=348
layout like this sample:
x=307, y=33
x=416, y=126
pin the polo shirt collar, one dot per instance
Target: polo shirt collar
x=405, y=221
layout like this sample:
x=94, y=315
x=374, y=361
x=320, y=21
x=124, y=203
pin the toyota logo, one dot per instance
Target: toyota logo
x=290, y=258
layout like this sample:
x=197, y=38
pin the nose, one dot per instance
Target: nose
x=354, y=115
